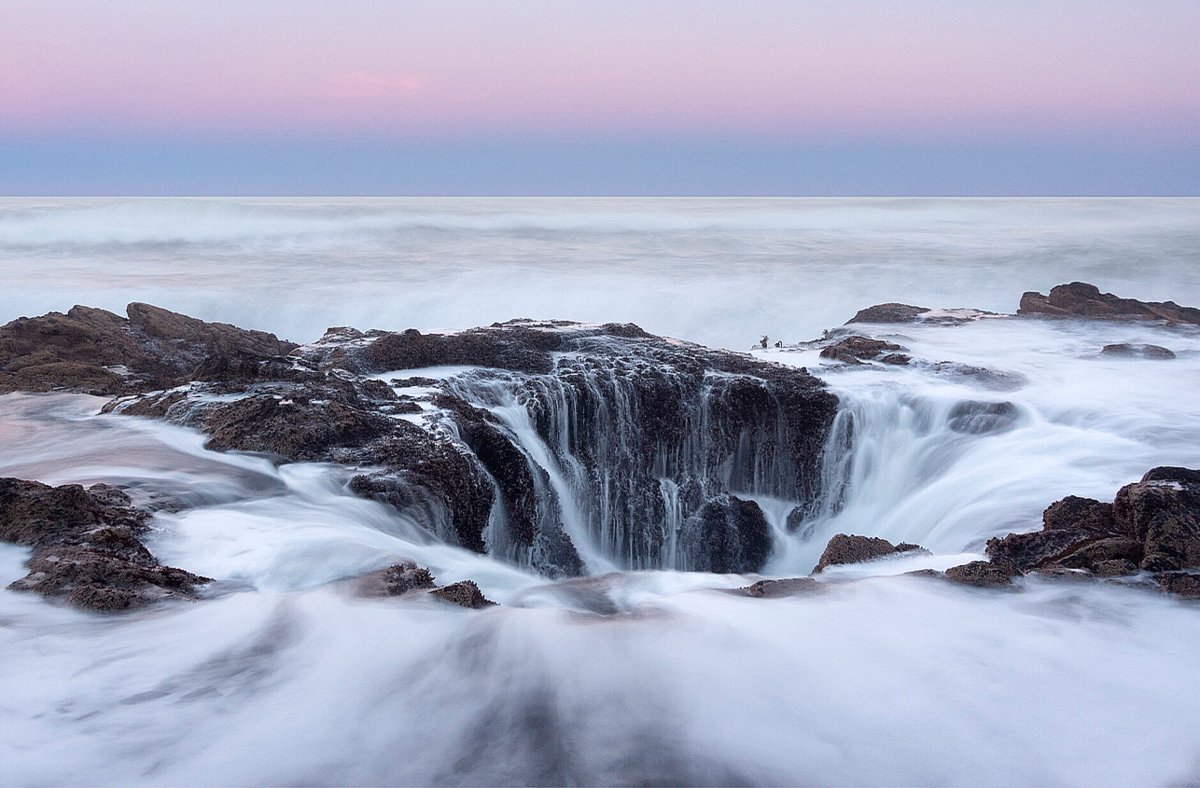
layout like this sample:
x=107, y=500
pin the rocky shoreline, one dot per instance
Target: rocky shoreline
x=654, y=449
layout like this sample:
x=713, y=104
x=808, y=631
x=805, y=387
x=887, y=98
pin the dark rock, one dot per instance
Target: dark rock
x=396, y=580
x=985, y=574
x=464, y=593
x=1079, y=299
x=1181, y=584
x=727, y=535
x=1153, y=525
x=852, y=549
x=1163, y=511
x=96, y=352
x=86, y=547
x=896, y=359
x=1126, y=350
x=981, y=418
x=888, y=313
x=648, y=430
x=791, y=586
x=1117, y=567
x=856, y=349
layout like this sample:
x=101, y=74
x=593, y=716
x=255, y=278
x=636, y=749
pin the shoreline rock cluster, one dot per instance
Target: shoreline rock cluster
x=667, y=441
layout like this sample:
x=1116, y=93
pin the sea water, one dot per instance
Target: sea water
x=621, y=677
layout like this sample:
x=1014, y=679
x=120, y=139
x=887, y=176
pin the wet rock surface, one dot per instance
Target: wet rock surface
x=634, y=440
x=1079, y=299
x=93, y=351
x=1152, y=525
x=789, y=586
x=407, y=578
x=86, y=547
x=889, y=313
x=858, y=349
x=1127, y=350
x=854, y=549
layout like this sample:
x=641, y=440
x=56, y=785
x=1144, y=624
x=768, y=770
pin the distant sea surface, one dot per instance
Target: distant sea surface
x=717, y=271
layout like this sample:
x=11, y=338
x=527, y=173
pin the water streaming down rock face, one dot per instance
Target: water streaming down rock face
x=563, y=447
x=636, y=450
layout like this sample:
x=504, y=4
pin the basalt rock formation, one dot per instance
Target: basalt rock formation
x=553, y=444
x=86, y=547
x=1079, y=299
x=1152, y=526
x=97, y=352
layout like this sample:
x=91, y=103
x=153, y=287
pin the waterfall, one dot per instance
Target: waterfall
x=629, y=451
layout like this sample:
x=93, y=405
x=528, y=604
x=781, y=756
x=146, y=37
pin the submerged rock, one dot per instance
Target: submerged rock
x=464, y=593
x=86, y=547
x=853, y=549
x=1079, y=299
x=790, y=586
x=1127, y=350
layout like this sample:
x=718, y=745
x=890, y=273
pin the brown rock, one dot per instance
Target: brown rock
x=1163, y=510
x=791, y=586
x=1181, y=584
x=1126, y=350
x=856, y=349
x=464, y=593
x=86, y=547
x=984, y=574
x=1079, y=299
x=888, y=313
x=853, y=549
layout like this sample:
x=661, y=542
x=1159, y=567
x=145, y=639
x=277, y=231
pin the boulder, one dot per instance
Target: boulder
x=1127, y=350
x=853, y=549
x=983, y=574
x=1153, y=525
x=86, y=547
x=982, y=418
x=1079, y=299
x=857, y=349
x=727, y=535
x=888, y=313
x=93, y=351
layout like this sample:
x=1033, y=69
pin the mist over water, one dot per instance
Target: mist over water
x=622, y=677
x=717, y=271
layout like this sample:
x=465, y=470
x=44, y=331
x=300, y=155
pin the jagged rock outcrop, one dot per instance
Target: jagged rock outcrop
x=97, y=352
x=558, y=441
x=408, y=578
x=86, y=547
x=1153, y=525
x=854, y=549
x=1079, y=299
x=857, y=349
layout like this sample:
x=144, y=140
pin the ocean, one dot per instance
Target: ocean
x=885, y=679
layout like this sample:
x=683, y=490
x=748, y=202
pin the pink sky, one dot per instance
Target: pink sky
x=895, y=70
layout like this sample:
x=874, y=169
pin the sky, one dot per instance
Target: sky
x=722, y=97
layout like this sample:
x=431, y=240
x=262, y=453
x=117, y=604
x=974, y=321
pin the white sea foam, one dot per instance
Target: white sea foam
x=718, y=271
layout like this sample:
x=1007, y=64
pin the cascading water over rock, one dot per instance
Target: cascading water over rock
x=568, y=448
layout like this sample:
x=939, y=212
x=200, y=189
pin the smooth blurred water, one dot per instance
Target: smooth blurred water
x=717, y=271
x=625, y=677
